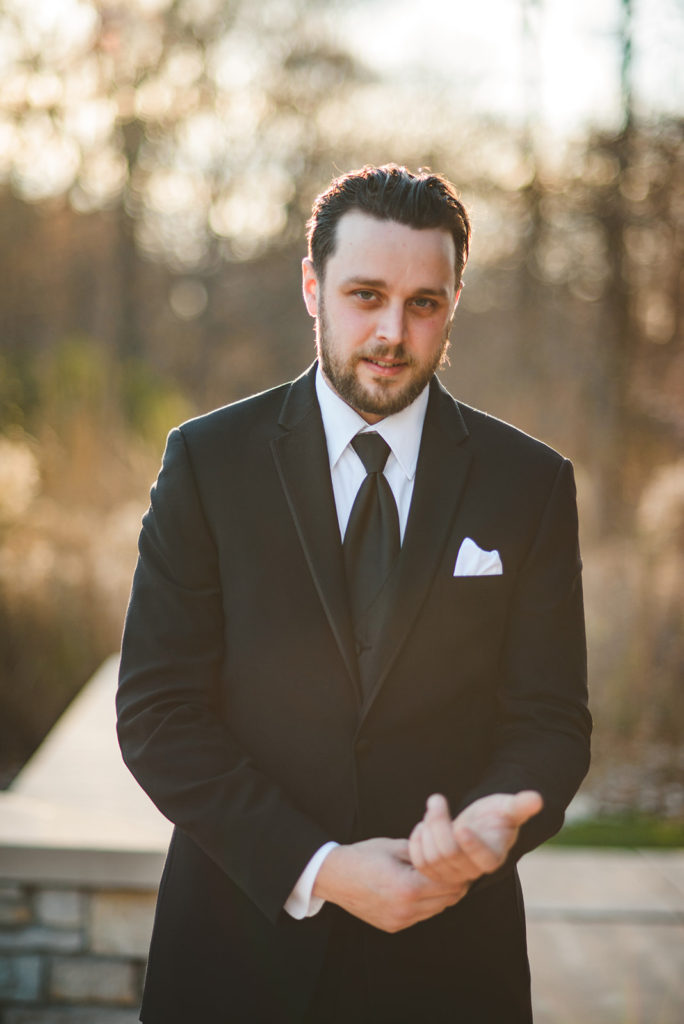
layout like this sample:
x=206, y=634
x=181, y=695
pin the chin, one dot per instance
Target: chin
x=385, y=404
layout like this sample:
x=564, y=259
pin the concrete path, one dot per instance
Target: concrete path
x=606, y=935
x=606, y=928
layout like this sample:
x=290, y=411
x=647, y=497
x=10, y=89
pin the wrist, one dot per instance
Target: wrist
x=325, y=886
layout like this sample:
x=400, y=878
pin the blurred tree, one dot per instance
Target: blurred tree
x=144, y=144
x=194, y=120
x=159, y=158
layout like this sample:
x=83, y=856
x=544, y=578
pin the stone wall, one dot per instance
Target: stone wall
x=72, y=954
x=81, y=855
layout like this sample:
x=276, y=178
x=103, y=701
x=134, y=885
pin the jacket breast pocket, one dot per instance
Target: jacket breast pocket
x=475, y=609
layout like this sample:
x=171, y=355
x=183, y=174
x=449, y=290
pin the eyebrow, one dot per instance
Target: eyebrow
x=373, y=282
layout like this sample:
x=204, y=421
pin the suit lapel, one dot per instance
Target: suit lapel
x=443, y=465
x=301, y=457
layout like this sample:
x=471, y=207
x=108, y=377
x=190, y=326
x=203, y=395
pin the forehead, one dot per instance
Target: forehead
x=366, y=247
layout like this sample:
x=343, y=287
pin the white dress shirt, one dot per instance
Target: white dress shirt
x=402, y=431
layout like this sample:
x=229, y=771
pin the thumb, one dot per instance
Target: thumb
x=525, y=805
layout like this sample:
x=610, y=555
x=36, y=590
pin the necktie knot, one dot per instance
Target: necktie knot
x=373, y=451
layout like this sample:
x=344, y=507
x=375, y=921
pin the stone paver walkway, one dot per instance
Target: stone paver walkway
x=606, y=935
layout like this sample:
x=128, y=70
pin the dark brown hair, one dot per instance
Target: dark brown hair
x=390, y=192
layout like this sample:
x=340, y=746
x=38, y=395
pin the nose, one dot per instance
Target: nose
x=390, y=326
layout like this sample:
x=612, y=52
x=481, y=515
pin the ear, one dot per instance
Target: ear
x=309, y=286
x=453, y=308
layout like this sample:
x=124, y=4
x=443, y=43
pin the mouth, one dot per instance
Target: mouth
x=385, y=367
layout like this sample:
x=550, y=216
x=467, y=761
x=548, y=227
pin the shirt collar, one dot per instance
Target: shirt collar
x=402, y=430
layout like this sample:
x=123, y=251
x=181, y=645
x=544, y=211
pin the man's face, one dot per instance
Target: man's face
x=383, y=311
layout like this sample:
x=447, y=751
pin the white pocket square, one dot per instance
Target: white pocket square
x=473, y=561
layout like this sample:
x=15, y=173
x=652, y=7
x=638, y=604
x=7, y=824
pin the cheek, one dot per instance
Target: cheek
x=429, y=337
x=352, y=328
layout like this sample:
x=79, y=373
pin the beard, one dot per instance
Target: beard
x=384, y=397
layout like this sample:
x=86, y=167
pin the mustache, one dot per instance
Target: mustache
x=386, y=352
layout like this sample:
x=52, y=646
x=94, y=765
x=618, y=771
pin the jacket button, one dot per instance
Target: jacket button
x=363, y=746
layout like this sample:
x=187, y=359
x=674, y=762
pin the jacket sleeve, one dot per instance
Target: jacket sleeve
x=542, y=728
x=170, y=724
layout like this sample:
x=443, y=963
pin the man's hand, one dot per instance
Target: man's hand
x=375, y=881
x=478, y=841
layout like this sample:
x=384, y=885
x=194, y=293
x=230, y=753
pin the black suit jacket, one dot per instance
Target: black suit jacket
x=240, y=710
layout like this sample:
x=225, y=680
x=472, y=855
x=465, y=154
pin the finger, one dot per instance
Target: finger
x=482, y=857
x=437, y=834
x=416, y=847
x=430, y=848
x=422, y=854
x=525, y=805
x=430, y=890
x=447, y=873
x=438, y=873
x=400, y=849
x=437, y=806
x=435, y=904
x=464, y=868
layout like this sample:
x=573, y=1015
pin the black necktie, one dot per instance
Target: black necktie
x=371, y=542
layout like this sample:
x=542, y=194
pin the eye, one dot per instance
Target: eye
x=364, y=294
x=422, y=302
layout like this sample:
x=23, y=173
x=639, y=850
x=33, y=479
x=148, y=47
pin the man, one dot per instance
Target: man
x=353, y=668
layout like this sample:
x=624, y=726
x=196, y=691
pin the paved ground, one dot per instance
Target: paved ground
x=606, y=928
x=606, y=935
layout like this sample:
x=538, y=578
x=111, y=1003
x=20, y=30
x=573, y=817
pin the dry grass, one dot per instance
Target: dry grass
x=72, y=493
x=635, y=629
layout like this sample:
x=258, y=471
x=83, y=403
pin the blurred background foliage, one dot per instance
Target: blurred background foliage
x=158, y=159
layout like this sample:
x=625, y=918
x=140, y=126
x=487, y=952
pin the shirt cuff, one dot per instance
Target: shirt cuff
x=301, y=903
